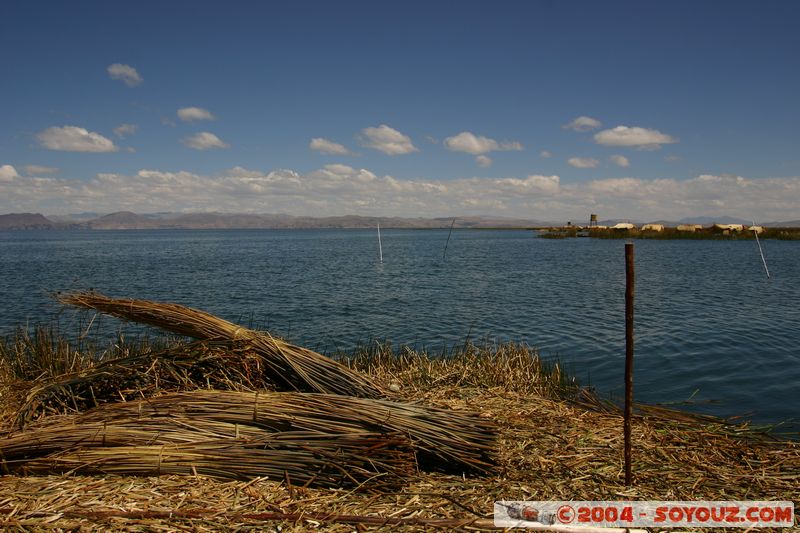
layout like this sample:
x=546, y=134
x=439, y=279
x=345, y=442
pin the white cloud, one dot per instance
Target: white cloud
x=549, y=185
x=325, y=146
x=583, y=123
x=620, y=161
x=204, y=141
x=341, y=189
x=188, y=114
x=770, y=199
x=8, y=173
x=337, y=174
x=545, y=154
x=331, y=190
x=387, y=140
x=36, y=170
x=483, y=161
x=583, y=162
x=126, y=73
x=472, y=144
x=620, y=187
x=123, y=130
x=511, y=145
x=243, y=173
x=75, y=139
x=636, y=137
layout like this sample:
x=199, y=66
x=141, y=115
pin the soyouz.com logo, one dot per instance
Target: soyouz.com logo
x=744, y=514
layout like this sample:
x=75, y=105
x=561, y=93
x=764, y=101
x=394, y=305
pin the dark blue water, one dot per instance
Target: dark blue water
x=709, y=324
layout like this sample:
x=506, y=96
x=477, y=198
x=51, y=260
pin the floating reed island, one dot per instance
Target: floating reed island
x=234, y=429
x=681, y=232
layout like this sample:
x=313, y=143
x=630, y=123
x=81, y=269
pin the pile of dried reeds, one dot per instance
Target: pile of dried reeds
x=290, y=425
x=303, y=417
x=222, y=450
x=141, y=373
x=548, y=449
x=288, y=367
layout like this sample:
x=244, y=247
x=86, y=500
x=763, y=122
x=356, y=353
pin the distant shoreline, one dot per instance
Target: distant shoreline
x=125, y=220
x=316, y=228
x=715, y=232
x=133, y=221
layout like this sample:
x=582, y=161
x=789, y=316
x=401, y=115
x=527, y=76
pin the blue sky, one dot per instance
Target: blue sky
x=417, y=108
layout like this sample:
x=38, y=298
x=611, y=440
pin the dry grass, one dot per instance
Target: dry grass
x=141, y=372
x=548, y=449
x=511, y=367
x=555, y=442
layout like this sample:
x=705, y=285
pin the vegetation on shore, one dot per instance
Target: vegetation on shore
x=556, y=441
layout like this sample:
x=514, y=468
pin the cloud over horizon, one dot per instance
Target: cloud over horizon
x=483, y=161
x=633, y=137
x=204, y=140
x=34, y=170
x=338, y=189
x=8, y=173
x=473, y=144
x=189, y=114
x=124, y=130
x=125, y=73
x=75, y=139
x=583, y=162
x=620, y=160
x=325, y=146
x=583, y=123
x=387, y=140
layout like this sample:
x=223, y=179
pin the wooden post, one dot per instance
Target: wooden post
x=629, y=292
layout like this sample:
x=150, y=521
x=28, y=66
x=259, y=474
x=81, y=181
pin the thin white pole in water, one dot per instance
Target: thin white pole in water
x=380, y=248
x=761, y=251
x=448, y=239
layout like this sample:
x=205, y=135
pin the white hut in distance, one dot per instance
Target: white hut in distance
x=623, y=225
x=691, y=228
x=653, y=227
x=729, y=227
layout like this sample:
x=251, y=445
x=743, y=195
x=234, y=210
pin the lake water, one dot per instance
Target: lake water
x=709, y=324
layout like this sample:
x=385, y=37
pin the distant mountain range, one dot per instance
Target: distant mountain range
x=129, y=220
x=25, y=221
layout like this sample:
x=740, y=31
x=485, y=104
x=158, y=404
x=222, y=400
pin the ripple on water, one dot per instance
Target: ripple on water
x=707, y=319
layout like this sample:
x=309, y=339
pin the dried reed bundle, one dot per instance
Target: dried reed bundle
x=447, y=440
x=290, y=367
x=443, y=439
x=376, y=461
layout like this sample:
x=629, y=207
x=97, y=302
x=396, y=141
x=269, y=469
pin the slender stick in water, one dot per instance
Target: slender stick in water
x=380, y=248
x=448, y=239
x=761, y=251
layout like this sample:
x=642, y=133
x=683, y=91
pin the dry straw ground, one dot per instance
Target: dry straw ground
x=555, y=442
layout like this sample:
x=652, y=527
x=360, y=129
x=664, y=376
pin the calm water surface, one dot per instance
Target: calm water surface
x=709, y=324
